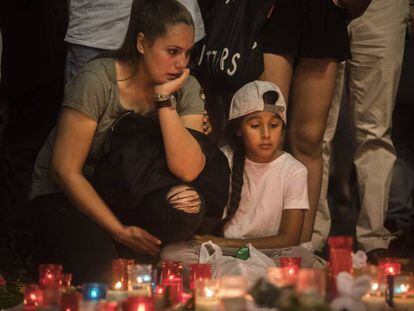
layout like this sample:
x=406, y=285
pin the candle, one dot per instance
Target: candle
x=311, y=285
x=175, y=286
x=388, y=266
x=171, y=270
x=340, y=254
x=50, y=276
x=140, y=279
x=94, y=291
x=199, y=271
x=120, y=273
x=207, y=295
x=280, y=277
x=32, y=297
x=292, y=264
x=138, y=304
x=70, y=301
x=107, y=306
x=233, y=290
x=66, y=279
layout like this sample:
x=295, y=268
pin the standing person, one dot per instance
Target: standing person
x=100, y=26
x=73, y=225
x=303, y=41
x=268, y=195
x=372, y=77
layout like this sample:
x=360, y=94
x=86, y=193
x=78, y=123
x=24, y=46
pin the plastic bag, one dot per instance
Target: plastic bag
x=252, y=269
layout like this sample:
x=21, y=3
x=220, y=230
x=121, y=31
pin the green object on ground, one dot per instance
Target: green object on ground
x=243, y=253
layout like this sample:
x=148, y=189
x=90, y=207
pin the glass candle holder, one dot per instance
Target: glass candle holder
x=171, y=270
x=233, y=291
x=50, y=276
x=120, y=273
x=340, y=254
x=280, y=277
x=403, y=286
x=32, y=297
x=66, y=279
x=199, y=271
x=140, y=279
x=137, y=303
x=311, y=286
x=207, y=295
x=94, y=291
x=69, y=301
x=292, y=264
x=107, y=306
x=174, y=286
x=389, y=266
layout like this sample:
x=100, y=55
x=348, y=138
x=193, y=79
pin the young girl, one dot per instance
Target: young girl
x=268, y=197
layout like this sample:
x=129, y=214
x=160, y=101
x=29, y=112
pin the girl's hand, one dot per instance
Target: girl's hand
x=139, y=240
x=200, y=239
x=172, y=86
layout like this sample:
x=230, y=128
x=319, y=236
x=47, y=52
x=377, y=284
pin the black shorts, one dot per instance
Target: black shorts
x=307, y=28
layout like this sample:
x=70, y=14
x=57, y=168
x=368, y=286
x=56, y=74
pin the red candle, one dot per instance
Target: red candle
x=175, y=285
x=138, y=304
x=70, y=301
x=292, y=264
x=50, y=276
x=66, y=279
x=170, y=270
x=340, y=254
x=389, y=266
x=199, y=271
x=33, y=297
x=120, y=273
x=107, y=306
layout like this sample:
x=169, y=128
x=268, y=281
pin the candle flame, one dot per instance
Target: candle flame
x=375, y=286
x=291, y=271
x=391, y=269
x=118, y=285
x=141, y=307
x=49, y=275
x=404, y=288
x=33, y=296
x=209, y=293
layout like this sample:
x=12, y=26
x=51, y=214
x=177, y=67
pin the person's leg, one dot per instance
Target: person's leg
x=66, y=236
x=323, y=217
x=311, y=95
x=377, y=45
x=172, y=214
x=278, y=69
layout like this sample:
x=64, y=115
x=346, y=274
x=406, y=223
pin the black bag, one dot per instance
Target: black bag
x=231, y=54
x=134, y=166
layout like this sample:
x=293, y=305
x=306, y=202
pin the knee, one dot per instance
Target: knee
x=306, y=141
x=185, y=199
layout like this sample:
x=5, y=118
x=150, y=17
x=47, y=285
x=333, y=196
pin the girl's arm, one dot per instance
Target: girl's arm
x=75, y=132
x=185, y=158
x=288, y=235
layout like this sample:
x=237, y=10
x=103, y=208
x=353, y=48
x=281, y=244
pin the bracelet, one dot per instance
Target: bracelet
x=162, y=101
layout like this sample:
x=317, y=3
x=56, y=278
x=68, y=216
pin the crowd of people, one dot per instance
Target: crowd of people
x=128, y=170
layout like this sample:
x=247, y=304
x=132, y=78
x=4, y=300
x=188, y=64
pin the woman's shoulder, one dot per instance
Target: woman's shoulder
x=104, y=68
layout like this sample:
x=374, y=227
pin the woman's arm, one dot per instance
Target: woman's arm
x=288, y=235
x=185, y=158
x=75, y=133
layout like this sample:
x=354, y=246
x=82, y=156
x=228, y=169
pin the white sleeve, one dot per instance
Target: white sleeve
x=296, y=191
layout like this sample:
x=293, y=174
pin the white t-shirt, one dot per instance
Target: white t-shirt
x=268, y=189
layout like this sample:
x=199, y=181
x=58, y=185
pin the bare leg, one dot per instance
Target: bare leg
x=278, y=69
x=311, y=95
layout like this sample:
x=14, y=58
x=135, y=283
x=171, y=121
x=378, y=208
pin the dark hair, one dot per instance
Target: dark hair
x=152, y=18
x=239, y=157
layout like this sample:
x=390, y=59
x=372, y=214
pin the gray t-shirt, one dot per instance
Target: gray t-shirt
x=99, y=24
x=94, y=92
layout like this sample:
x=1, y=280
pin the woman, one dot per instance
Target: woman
x=74, y=226
x=304, y=40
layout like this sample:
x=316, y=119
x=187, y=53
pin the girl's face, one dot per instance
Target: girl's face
x=261, y=132
x=165, y=58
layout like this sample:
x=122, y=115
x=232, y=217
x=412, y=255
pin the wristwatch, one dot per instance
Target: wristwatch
x=162, y=101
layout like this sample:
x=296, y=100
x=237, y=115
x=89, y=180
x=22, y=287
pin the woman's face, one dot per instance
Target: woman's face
x=165, y=58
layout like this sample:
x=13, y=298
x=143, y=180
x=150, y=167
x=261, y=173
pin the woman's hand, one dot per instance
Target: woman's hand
x=200, y=239
x=172, y=86
x=139, y=240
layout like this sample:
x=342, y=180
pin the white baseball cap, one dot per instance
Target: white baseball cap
x=249, y=98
